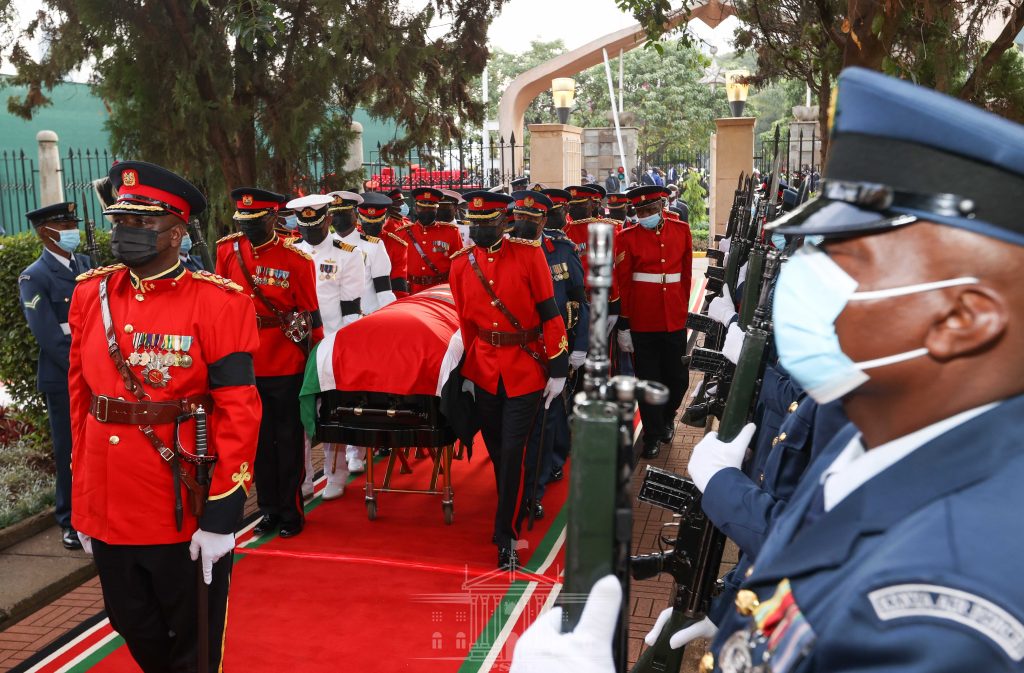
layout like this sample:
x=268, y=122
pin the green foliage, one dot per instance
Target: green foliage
x=19, y=351
x=695, y=197
x=26, y=479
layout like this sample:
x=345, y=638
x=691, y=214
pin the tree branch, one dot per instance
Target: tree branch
x=1013, y=26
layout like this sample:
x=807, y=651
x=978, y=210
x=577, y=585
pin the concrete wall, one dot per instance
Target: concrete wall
x=601, y=150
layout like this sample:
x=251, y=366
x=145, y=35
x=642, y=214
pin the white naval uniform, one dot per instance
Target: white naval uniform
x=339, y=277
x=464, y=233
x=377, y=269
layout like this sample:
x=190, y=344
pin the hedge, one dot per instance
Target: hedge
x=19, y=350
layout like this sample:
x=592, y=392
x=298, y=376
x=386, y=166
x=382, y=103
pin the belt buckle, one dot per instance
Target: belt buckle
x=494, y=339
x=664, y=279
x=105, y=407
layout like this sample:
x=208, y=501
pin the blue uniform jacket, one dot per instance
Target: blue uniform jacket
x=192, y=262
x=45, y=288
x=776, y=400
x=567, y=275
x=913, y=571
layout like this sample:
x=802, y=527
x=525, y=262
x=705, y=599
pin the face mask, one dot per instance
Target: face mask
x=556, y=220
x=779, y=241
x=426, y=217
x=68, y=240
x=445, y=214
x=527, y=229
x=344, y=223
x=133, y=246
x=255, y=231
x=186, y=245
x=404, y=210
x=650, y=222
x=579, y=212
x=814, y=240
x=372, y=229
x=313, y=235
x=812, y=291
x=485, y=236
x=291, y=221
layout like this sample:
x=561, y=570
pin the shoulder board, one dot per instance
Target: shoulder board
x=369, y=239
x=289, y=244
x=398, y=238
x=532, y=242
x=342, y=245
x=219, y=281
x=563, y=240
x=99, y=271
x=463, y=251
x=229, y=237
x=403, y=228
x=24, y=276
x=585, y=220
x=449, y=224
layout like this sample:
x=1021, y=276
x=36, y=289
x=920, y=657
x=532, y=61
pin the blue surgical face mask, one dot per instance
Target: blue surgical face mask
x=811, y=293
x=186, y=245
x=291, y=221
x=816, y=239
x=779, y=241
x=404, y=209
x=69, y=239
x=650, y=222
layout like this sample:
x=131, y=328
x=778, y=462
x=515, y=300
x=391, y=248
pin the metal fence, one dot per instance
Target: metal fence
x=801, y=155
x=18, y=193
x=672, y=165
x=78, y=169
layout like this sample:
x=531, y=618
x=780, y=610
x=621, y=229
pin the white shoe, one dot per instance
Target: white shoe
x=307, y=490
x=356, y=465
x=333, y=491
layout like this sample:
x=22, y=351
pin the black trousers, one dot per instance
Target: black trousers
x=552, y=453
x=281, y=449
x=150, y=594
x=658, y=356
x=505, y=423
x=58, y=408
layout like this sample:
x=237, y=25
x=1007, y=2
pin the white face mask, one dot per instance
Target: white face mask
x=811, y=293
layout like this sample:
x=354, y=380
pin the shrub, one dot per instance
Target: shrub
x=26, y=479
x=19, y=351
x=695, y=197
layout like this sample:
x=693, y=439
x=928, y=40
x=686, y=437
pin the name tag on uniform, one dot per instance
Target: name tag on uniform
x=266, y=275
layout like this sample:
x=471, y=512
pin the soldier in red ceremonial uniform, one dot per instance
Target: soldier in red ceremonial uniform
x=617, y=206
x=282, y=283
x=580, y=213
x=431, y=243
x=163, y=403
x=653, y=263
x=516, y=347
x=373, y=214
x=398, y=212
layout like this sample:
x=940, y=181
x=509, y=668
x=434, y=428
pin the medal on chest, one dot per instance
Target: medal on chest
x=559, y=272
x=778, y=638
x=266, y=275
x=328, y=270
x=441, y=247
x=157, y=353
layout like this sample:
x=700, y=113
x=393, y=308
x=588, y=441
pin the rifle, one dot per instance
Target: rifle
x=199, y=244
x=91, y=246
x=599, y=527
x=698, y=546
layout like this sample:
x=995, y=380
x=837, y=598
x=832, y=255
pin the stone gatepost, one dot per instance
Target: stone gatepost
x=732, y=152
x=51, y=187
x=555, y=154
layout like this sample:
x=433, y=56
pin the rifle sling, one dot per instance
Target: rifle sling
x=256, y=291
x=498, y=304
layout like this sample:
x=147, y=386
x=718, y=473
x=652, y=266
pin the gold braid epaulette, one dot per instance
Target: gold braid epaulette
x=289, y=244
x=219, y=281
x=398, y=238
x=585, y=220
x=463, y=251
x=99, y=271
x=229, y=237
x=342, y=245
x=532, y=242
x=369, y=239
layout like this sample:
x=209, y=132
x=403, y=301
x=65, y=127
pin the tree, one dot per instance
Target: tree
x=232, y=92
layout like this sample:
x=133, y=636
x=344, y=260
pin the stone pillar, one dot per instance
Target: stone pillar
x=732, y=152
x=51, y=187
x=555, y=154
x=601, y=151
x=355, y=149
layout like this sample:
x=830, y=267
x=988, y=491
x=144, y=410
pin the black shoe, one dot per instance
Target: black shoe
x=670, y=432
x=651, y=451
x=266, y=525
x=557, y=474
x=290, y=529
x=538, y=510
x=507, y=559
x=69, y=538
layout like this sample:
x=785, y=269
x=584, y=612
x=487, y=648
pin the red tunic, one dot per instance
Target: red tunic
x=520, y=277
x=398, y=253
x=287, y=278
x=123, y=490
x=435, y=243
x=653, y=270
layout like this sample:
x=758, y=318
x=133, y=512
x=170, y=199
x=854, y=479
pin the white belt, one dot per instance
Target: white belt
x=658, y=277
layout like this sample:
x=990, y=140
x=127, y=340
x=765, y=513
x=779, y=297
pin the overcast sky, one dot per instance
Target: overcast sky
x=575, y=22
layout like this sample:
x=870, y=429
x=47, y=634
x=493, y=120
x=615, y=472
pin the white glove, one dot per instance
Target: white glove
x=625, y=339
x=213, y=546
x=469, y=387
x=553, y=389
x=722, y=308
x=86, y=542
x=543, y=648
x=609, y=324
x=712, y=455
x=577, y=358
x=724, y=244
x=733, y=343
x=705, y=628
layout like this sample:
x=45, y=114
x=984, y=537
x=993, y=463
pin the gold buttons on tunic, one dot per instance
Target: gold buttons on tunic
x=67, y=299
x=750, y=571
x=707, y=663
x=793, y=407
x=746, y=602
x=114, y=439
x=490, y=282
x=128, y=329
x=662, y=261
x=139, y=297
x=490, y=259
